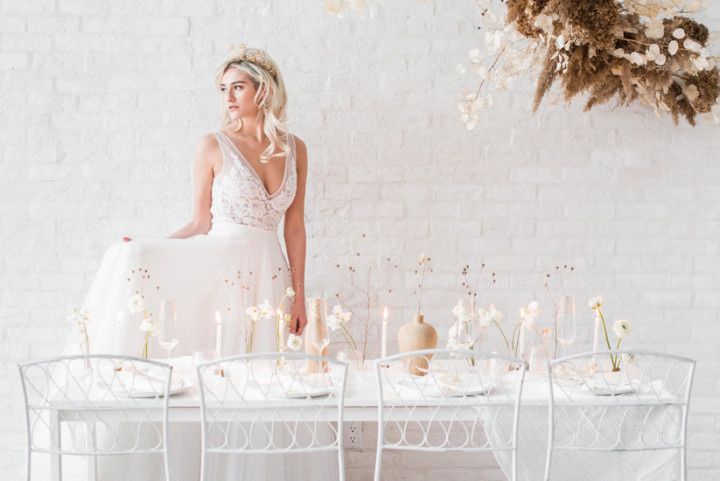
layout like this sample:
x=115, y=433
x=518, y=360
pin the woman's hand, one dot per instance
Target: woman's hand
x=298, y=317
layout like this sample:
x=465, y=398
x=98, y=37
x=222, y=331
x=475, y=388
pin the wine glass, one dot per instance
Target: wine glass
x=566, y=323
x=168, y=337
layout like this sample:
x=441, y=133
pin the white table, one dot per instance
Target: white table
x=361, y=406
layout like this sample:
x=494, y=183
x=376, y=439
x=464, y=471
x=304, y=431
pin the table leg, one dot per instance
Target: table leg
x=92, y=460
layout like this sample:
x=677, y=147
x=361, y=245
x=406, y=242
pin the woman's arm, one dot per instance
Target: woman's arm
x=204, y=169
x=295, y=241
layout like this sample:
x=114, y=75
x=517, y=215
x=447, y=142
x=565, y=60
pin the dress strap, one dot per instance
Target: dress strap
x=225, y=149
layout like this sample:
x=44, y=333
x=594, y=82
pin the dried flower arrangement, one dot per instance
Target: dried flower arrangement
x=554, y=284
x=646, y=50
x=364, y=285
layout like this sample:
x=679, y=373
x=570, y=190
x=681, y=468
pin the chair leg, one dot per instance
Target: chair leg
x=683, y=464
x=29, y=464
x=548, y=461
x=341, y=464
x=378, y=461
x=55, y=458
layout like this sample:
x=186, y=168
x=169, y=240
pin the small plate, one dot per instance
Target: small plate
x=175, y=388
x=277, y=392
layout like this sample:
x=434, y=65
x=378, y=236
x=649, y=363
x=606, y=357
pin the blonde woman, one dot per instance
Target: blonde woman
x=248, y=177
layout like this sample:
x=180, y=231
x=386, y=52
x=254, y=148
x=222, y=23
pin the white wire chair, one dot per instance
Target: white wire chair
x=271, y=403
x=643, y=406
x=458, y=400
x=107, y=405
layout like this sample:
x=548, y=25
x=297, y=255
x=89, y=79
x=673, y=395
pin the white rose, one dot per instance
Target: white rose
x=621, y=328
x=678, y=33
x=294, y=342
x=135, y=303
x=673, y=47
x=290, y=292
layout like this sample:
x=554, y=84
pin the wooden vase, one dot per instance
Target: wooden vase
x=315, y=331
x=414, y=336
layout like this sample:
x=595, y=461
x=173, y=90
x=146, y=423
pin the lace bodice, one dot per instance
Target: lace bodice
x=239, y=195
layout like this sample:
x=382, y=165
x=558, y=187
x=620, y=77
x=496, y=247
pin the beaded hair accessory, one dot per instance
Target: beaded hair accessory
x=241, y=53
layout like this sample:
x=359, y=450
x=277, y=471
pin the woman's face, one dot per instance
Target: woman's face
x=238, y=91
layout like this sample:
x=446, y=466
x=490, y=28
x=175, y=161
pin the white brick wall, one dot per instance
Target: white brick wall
x=103, y=103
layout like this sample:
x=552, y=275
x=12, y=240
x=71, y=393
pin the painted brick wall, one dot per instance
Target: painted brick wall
x=103, y=103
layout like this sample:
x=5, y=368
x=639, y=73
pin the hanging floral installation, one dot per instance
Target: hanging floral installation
x=646, y=50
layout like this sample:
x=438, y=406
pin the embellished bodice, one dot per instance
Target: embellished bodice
x=239, y=195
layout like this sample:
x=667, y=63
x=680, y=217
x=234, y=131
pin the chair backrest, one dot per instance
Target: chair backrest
x=105, y=404
x=449, y=400
x=619, y=401
x=265, y=402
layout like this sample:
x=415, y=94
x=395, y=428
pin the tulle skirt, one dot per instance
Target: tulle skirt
x=205, y=276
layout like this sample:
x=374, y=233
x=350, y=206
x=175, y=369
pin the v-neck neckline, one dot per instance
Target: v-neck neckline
x=252, y=169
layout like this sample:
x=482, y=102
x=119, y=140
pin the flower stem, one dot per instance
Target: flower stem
x=607, y=339
x=507, y=343
x=348, y=337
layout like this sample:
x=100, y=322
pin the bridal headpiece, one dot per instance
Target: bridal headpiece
x=241, y=53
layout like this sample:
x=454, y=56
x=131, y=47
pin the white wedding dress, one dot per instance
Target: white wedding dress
x=239, y=263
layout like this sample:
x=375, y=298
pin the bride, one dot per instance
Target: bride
x=248, y=176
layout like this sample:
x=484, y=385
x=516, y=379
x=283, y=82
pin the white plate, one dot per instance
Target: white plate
x=610, y=384
x=277, y=392
x=431, y=389
x=175, y=388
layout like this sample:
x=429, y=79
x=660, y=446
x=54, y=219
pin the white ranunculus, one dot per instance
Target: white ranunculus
x=333, y=322
x=673, y=47
x=451, y=344
x=621, y=328
x=253, y=312
x=294, y=342
x=76, y=318
x=266, y=310
x=627, y=357
x=660, y=59
x=534, y=309
x=595, y=302
x=460, y=312
x=678, y=33
x=149, y=325
x=484, y=317
x=290, y=292
x=135, y=303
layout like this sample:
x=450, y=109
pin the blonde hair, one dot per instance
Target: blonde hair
x=271, y=98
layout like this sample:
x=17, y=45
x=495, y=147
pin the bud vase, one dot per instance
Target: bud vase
x=414, y=336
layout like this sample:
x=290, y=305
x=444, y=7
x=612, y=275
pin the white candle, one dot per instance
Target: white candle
x=383, y=342
x=596, y=337
x=218, y=335
x=521, y=340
